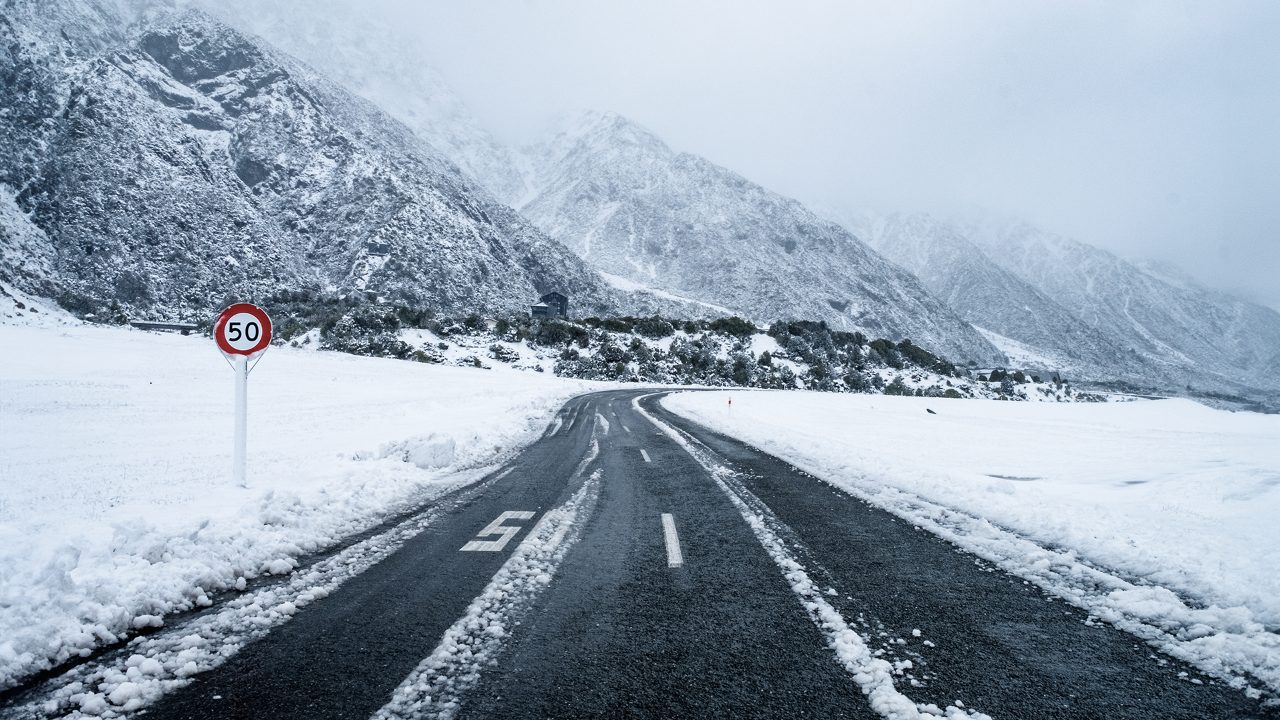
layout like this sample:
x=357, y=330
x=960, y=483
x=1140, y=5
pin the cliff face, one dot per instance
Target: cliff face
x=634, y=208
x=179, y=161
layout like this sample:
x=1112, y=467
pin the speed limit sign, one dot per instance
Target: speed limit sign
x=243, y=329
x=242, y=332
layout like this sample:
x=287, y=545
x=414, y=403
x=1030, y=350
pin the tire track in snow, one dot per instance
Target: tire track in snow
x=132, y=677
x=436, y=687
x=872, y=674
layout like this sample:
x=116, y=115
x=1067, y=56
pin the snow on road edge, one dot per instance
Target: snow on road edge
x=872, y=674
x=115, y=513
x=1221, y=642
x=436, y=687
x=154, y=665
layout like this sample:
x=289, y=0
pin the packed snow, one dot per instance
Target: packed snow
x=1158, y=517
x=627, y=285
x=117, y=506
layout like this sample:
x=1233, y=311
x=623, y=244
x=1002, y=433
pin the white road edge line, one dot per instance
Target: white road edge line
x=504, y=473
x=872, y=674
x=645, y=454
x=674, y=558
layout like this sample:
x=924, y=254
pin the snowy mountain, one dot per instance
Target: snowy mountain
x=162, y=161
x=637, y=209
x=387, y=67
x=995, y=299
x=1053, y=301
x=1206, y=335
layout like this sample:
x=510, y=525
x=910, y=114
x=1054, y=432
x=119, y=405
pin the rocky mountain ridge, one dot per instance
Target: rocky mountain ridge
x=1085, y=310
x=635, y=208
x=176, y=163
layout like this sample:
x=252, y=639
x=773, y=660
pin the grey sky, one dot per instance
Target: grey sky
x=1149, y=128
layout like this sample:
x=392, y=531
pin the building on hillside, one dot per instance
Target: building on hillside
x=553, y=304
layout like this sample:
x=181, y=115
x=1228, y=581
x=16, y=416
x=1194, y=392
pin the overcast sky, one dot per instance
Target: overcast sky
x=1148, y=128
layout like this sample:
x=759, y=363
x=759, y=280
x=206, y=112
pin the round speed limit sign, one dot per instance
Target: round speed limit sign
x=243, y=329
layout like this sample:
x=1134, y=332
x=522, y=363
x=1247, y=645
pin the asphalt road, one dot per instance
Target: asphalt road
x=664, y=602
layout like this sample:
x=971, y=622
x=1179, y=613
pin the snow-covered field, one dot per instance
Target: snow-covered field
x=1159, y=516
x=116, y=500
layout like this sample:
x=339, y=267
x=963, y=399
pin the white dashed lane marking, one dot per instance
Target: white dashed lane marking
x=674, y=558
x=645, y=455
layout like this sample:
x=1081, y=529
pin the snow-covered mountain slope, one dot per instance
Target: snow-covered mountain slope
x=635, y=208
x=182, y=162
x=993, y=298
x=386, y=67
x=1204, y=336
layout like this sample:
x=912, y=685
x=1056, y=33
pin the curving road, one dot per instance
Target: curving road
x=634, y=564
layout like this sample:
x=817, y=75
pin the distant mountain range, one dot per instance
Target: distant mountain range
x=1057, y=302
x=157, y=160
x=635, y=208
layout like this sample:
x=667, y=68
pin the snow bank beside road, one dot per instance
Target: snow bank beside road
x=1179, y=498
x=116, y=503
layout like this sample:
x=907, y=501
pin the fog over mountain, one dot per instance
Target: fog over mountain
x=1143, y=128
x=319, y=142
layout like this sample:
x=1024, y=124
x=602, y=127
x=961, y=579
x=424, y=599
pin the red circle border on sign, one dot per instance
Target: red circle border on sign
x=263, y=319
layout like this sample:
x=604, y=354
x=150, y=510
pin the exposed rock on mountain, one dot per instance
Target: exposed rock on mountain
x=961, y=274
x=1206, y=336
x=390, y=69
x=184, y=161
x=635, y=208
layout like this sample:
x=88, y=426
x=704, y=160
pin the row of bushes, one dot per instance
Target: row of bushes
x=710, y=352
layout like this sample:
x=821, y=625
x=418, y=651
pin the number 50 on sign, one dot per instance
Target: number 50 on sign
x=243, y=332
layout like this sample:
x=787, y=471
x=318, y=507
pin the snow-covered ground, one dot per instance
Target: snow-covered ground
x=1159, y=517
x=116, y=501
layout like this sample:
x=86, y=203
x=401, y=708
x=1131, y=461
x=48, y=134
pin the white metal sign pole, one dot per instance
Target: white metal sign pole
x=242, y=332
x=241, y=364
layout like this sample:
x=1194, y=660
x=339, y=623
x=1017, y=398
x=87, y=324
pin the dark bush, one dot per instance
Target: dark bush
x=733, y=325
x=897, y=387
x=654, y=327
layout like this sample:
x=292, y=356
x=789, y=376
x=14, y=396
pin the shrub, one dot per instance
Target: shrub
x=897, y=387
x=654, y=327
x=733, y=325
x=618, y=324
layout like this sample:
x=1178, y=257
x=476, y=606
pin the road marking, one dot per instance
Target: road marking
x=873, y=674
x=436, y=687
x=497, y=528
x=645, y=454
x=674, y=558
x=624, y=427
x=227, y=627
x=504, y=473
